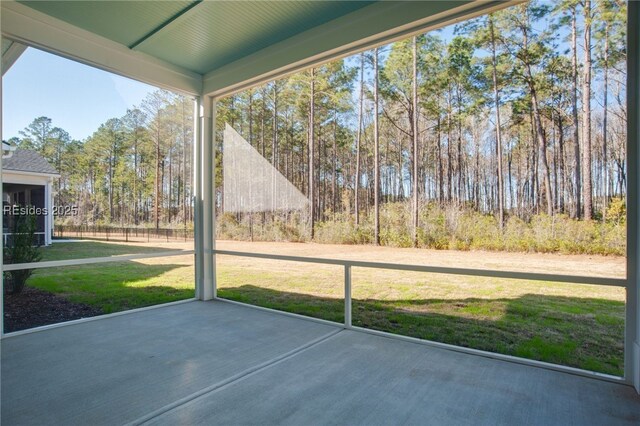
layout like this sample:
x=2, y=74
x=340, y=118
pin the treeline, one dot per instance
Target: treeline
x=519, y=113
x=133, y=170
x=513, y=116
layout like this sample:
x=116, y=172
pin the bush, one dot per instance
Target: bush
x=21, y=250
x=449, y=227
x=518, y=236
x=342, y=230
x=261, y=227
x=617, y=211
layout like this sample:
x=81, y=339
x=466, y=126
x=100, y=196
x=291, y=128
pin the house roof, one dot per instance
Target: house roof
x=28, y=161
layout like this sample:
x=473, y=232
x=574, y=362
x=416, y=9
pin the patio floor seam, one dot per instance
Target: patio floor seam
x=234, y=379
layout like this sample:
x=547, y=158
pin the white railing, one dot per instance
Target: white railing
x=530, y=276
x=91, y=260
x=349, y=264
x=6, y=235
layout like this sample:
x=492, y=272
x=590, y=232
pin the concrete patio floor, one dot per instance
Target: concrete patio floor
x=221, y=363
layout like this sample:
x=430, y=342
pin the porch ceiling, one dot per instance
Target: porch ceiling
x=213, y=47
x=197, y=35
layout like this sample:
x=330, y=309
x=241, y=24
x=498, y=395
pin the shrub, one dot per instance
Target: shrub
x=21, y=250
x=617, y=211
x=442, y=227
x=518, y=235
x=342, y=230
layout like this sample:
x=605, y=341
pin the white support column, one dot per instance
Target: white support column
x=207, y=116
x=1, y=228
x=632, y=337
x=197, y=197
x=212, y=190
x=48, y=218
x=347, y=296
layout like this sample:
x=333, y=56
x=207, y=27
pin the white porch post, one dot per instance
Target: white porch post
x=632, y=337
x=48, y=218
x=2, y=228
x=207, y=285
x=212, y=193
x=197, y=196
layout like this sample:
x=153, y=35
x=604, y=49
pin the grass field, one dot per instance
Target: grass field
x=569, y=324
x=116, y=286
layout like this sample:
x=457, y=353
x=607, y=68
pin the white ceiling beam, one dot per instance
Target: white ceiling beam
x=380, y=23
x=28, y=26
x=11, y=55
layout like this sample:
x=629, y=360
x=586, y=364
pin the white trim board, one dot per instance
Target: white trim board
x=374, y=25
x=17, y=176
x=379, y=23
x=28, y=26
x=12, y=54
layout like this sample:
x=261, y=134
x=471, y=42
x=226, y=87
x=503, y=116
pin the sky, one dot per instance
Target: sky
x=77, y=98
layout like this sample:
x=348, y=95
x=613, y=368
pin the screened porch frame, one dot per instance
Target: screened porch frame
x=30, y=28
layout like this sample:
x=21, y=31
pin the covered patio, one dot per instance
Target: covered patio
x=209, y=360
x=223, y=363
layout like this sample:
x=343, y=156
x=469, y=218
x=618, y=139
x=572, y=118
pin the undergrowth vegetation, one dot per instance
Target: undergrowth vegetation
x=443, y=228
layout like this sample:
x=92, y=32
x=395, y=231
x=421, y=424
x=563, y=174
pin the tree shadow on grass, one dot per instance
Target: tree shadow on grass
x=580, y=332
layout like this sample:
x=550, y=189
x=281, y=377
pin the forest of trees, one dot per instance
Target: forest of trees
x=134, y=170
x=510, y=119
x=513, y=115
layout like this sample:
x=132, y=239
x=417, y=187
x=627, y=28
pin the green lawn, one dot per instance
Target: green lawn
x=87, y=249
x=575, y=325
x=116, y=286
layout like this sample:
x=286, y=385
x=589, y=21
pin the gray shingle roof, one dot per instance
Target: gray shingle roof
x=28, y=161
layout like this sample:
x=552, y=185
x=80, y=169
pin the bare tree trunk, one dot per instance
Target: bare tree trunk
x=574, y=110
x=157, y=189
x=135, y=178
x=540, y=136
x=312, y=209
x=334, y=171
x=510, y=174
x=561, y=166
x=400, y=183
x=111, y=165
x=415, y=141
x=440, y=166
x=274, y=146
x=496, y=95
x=170, y=184
x=461, y=192
x=586, y=118
x=263, y=114
x=605, y=171
x=356, y=184
x=184, y=165
x=449, y=159
x=376, y=149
